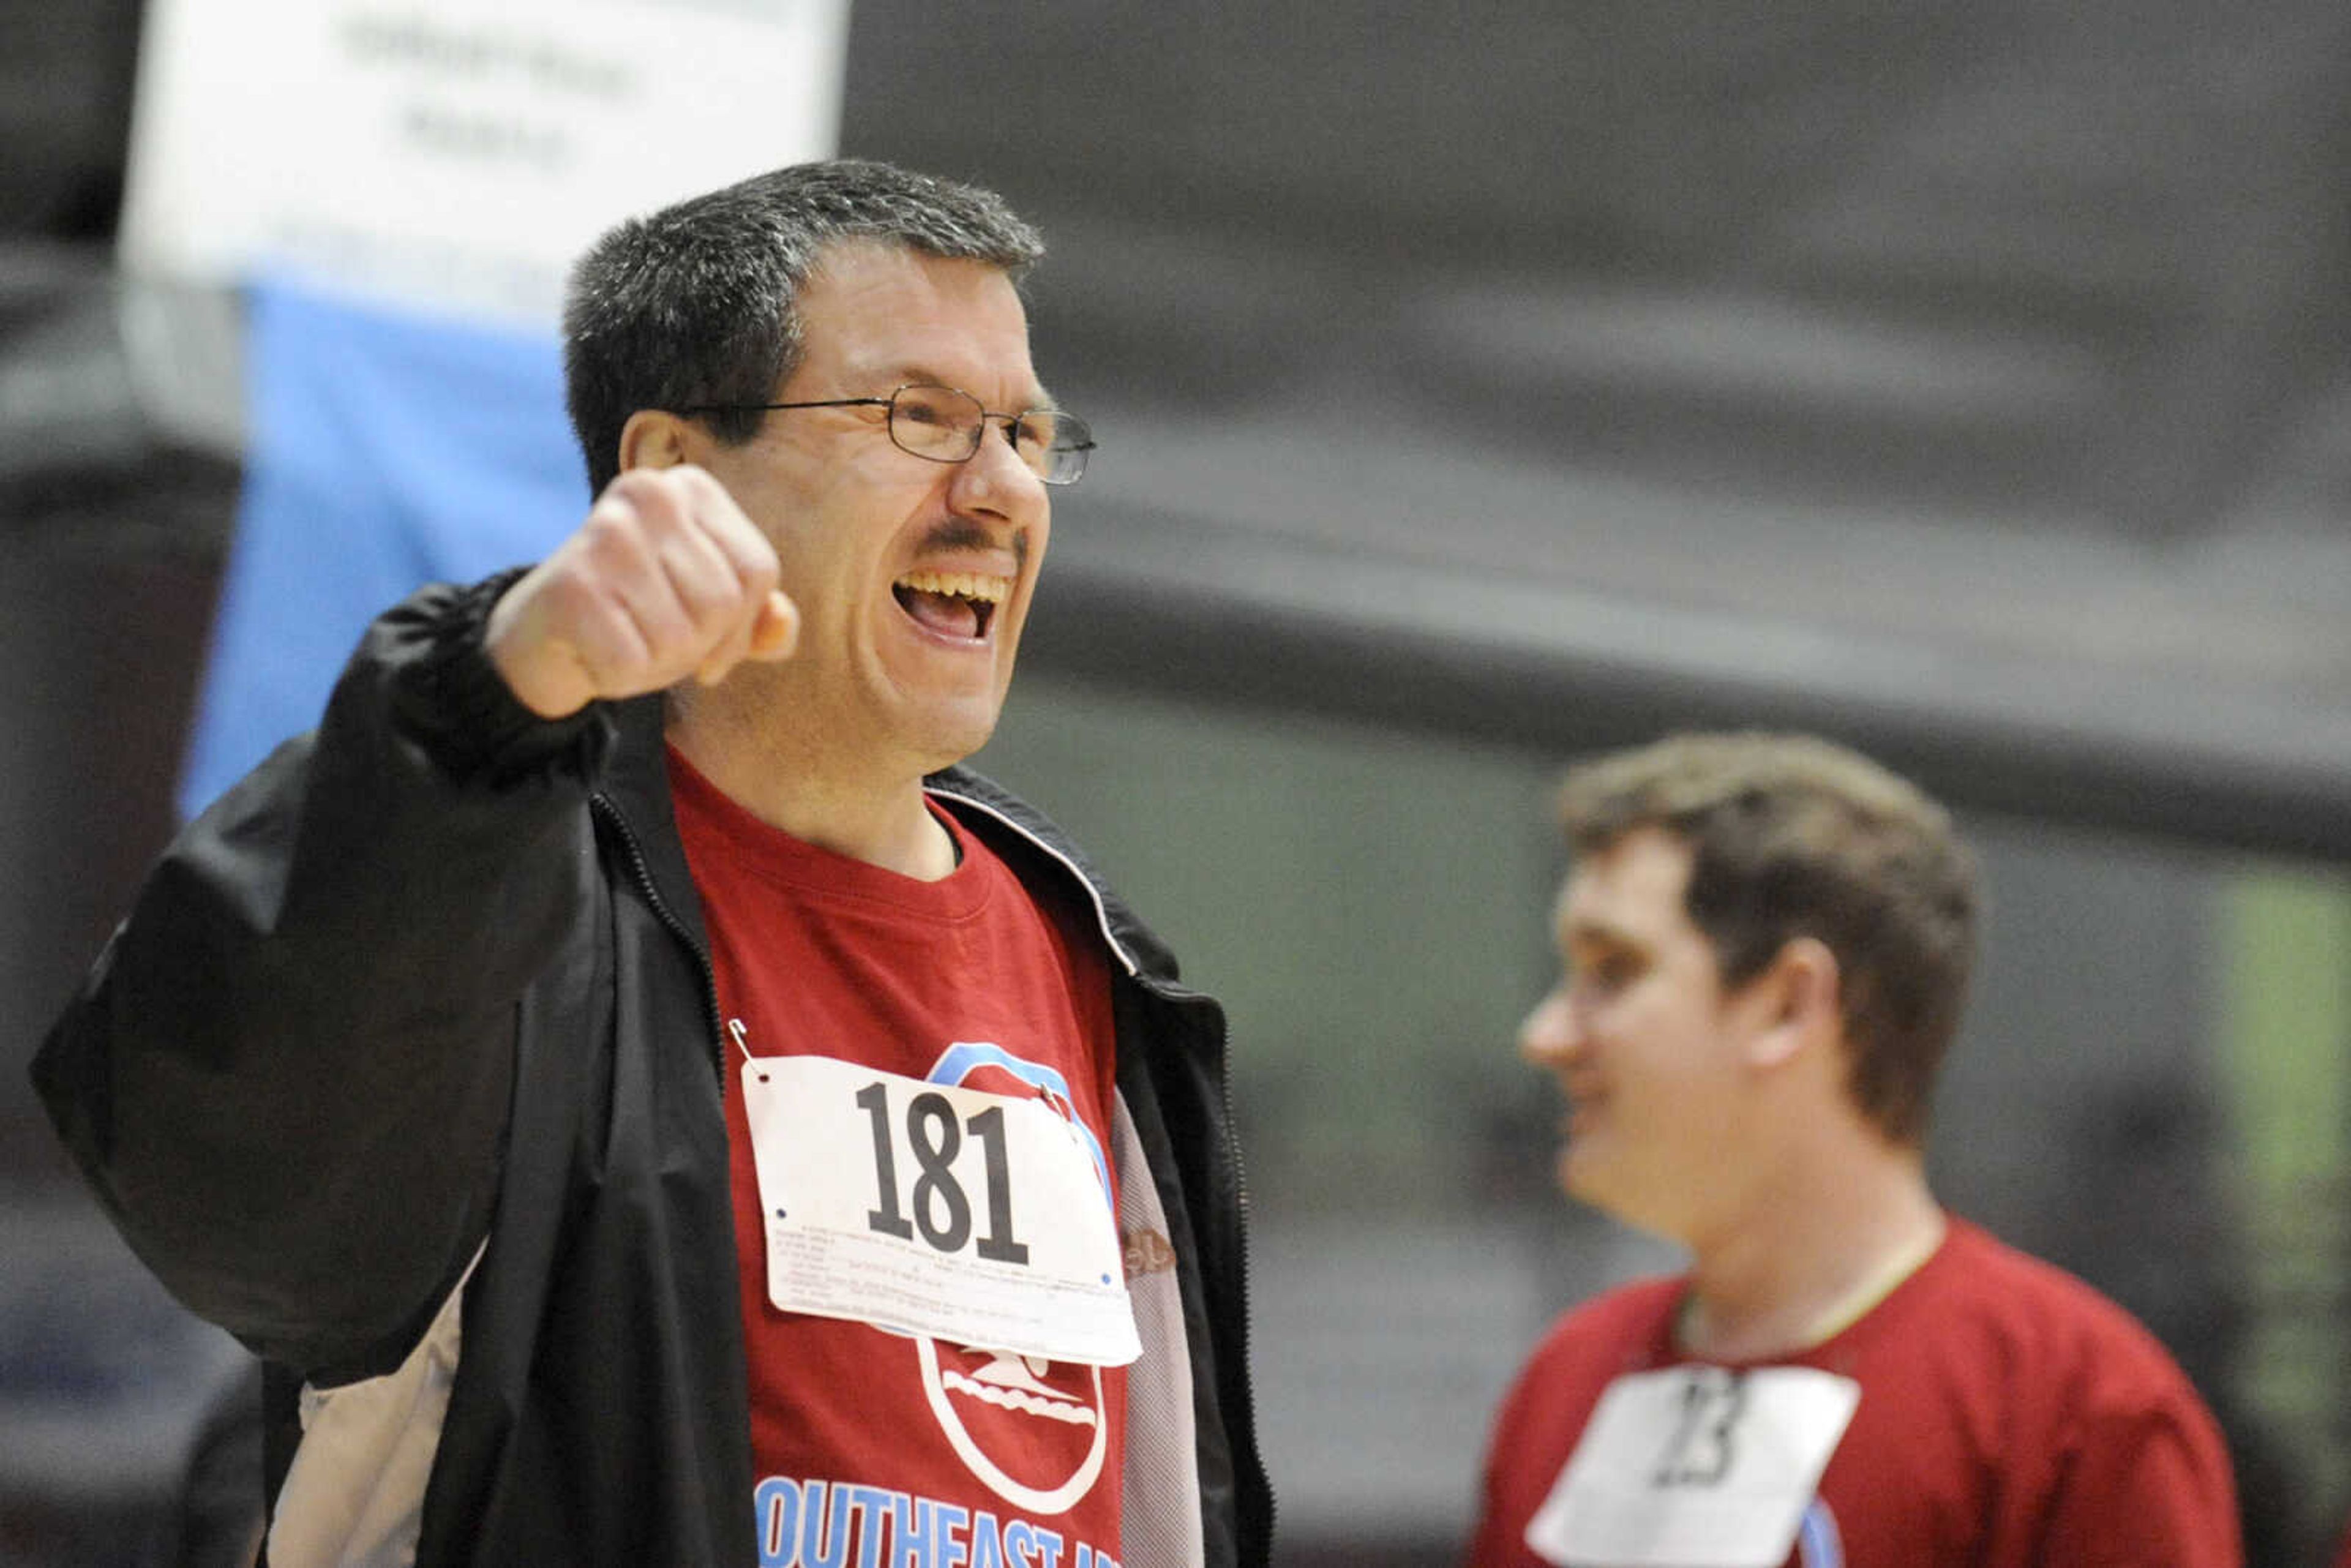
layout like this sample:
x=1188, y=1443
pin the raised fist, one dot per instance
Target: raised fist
x=665, y=578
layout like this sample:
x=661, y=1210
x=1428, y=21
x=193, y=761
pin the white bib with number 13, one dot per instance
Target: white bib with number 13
x=1695, y=1464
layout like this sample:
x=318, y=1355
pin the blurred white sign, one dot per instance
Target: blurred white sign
x=457, y=154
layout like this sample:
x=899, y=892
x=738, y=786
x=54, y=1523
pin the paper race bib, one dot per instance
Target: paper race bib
x=933, y=1209
x=1695, y=1464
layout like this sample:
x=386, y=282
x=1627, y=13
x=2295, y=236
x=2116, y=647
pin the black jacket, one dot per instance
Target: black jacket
x=432, y=983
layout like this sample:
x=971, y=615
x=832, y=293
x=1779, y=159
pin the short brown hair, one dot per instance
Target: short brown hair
x=1792, y=836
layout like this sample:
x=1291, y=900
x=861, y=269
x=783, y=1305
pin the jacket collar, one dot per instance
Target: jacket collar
x=997, y=814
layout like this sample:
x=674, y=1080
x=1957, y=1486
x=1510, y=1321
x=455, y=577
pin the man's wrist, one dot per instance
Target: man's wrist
x=475, y=722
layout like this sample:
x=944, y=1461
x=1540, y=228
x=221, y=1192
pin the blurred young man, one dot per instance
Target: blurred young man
x=647, y=1103
x=1765, y=941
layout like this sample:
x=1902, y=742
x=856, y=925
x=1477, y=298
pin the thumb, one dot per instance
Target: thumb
x=777, y=631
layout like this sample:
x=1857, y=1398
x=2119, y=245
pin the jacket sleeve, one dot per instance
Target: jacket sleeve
x=287, y=1076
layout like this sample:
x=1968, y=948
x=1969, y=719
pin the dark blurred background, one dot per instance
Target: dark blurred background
x=1479, y=388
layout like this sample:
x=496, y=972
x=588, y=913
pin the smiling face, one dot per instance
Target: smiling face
x=913, y=577
x=1644, y=1041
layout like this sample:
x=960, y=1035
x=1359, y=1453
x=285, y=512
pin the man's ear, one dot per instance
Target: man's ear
x=1801, y=995
x=654, y=438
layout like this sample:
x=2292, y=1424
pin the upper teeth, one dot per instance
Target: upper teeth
x=962, y=584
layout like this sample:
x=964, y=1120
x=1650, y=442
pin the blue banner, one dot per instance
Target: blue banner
x=384, y=449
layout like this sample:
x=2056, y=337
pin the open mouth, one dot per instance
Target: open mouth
x=952, y=603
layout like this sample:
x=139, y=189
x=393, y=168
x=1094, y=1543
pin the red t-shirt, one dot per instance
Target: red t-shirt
x=2010, y=1416
x=872, y=1446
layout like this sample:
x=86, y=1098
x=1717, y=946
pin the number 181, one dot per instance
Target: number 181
x=942, y=1211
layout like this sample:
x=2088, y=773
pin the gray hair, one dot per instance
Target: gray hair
x=697, y=304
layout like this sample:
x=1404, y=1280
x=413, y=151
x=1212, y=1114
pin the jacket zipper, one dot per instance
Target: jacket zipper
x=1240, y=1241
x=606, y=808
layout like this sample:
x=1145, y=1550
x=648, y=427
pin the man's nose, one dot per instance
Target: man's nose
x=1549, y=1035
x=997, y=478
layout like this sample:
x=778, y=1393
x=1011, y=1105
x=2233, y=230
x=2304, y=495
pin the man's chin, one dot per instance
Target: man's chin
x=944, y=745
x=1583, y=1177
x=1573, y=1171
x=946, y=720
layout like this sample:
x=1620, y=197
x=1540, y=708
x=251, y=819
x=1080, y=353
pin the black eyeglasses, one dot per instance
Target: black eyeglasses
x=947, y=426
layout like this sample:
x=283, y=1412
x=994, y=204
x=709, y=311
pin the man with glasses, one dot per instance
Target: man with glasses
x=646, y=1101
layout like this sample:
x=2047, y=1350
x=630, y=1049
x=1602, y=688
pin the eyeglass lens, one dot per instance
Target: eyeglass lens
x=947, y=426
